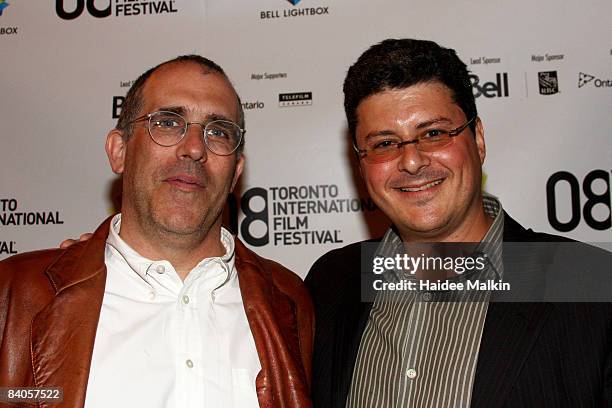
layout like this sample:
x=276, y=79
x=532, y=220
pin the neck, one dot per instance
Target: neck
x=183, y=251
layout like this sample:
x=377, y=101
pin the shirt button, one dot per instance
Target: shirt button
x=160, y=269
x=152, y=296
x=185, y=299
x=189, y=363
x=411, y=373
x=427, y=296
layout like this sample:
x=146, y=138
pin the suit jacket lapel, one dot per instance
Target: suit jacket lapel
x=510, y=329
x=63, y=333
x=350, y=328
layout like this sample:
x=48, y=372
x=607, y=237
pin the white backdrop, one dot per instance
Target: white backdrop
x=543, y=71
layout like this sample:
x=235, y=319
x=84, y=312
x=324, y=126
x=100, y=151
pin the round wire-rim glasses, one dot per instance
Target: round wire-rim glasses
x=166, y=128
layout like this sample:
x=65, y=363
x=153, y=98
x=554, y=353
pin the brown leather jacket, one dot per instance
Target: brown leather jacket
x=50, y=304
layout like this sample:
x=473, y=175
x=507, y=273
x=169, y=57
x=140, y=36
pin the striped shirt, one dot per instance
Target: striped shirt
x=419, y=349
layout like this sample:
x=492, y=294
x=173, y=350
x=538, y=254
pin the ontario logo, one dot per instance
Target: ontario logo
x=585, y=79
x=4, y=4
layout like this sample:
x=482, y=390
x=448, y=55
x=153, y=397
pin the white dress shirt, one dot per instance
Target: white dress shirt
x=162, y=342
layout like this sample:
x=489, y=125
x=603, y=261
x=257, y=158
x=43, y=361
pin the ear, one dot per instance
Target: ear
x=238, y=171
x=480, y=141
x=116, y=150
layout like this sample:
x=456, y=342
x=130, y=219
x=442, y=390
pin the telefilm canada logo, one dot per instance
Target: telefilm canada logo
x=549, y=82
x=116, y=8
x=289, y=12
x=585, y=79
x=294, y=99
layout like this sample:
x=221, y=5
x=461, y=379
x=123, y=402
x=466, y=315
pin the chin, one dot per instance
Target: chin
x=182, y=224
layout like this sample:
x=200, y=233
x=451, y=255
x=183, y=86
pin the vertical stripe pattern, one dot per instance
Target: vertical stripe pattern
x=420, y=349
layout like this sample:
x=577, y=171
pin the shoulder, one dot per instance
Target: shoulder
x=334, y=278
x=515, y=232
x=28, y=267
x=338, y=264
x=24, y=286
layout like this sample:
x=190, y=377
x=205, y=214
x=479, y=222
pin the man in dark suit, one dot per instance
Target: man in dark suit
x=413, y=120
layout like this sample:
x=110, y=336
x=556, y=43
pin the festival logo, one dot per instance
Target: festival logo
x=116, y=8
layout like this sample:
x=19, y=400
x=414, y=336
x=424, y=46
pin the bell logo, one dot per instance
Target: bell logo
x=80, y=6
x=496, y=89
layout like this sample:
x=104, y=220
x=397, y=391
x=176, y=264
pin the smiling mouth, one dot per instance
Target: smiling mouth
x=421, y=188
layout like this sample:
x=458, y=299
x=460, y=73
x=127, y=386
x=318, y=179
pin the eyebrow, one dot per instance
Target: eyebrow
x=434, y=121
x=181, y=110
x=427, y=123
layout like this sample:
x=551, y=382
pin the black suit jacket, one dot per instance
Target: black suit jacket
x=531, y=354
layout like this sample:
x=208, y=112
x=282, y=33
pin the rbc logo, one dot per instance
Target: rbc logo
x=80, y=6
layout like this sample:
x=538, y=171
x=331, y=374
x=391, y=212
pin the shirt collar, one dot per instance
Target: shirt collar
x=143, y=266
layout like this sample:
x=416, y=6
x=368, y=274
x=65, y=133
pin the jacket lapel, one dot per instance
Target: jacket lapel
x=511, y=329
x=282, y=381
x=63, y=333
x=350, y=328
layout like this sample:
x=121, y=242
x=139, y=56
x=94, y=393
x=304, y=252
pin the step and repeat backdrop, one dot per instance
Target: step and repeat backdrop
x=541, y=73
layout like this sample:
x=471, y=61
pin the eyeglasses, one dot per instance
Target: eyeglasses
x=384, y=148
x=222, y=137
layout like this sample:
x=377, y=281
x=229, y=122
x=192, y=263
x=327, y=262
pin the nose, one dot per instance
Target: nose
x=412, y=160
x=192, y=146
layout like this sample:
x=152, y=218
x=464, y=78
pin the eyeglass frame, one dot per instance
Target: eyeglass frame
x=203, y=125
x=451, y=133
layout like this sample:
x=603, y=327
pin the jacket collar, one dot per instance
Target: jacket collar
x=63, y=333
x=511, y=329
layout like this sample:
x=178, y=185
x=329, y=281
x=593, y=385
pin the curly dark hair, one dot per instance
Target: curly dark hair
x=133, y=100
x=400, y=63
